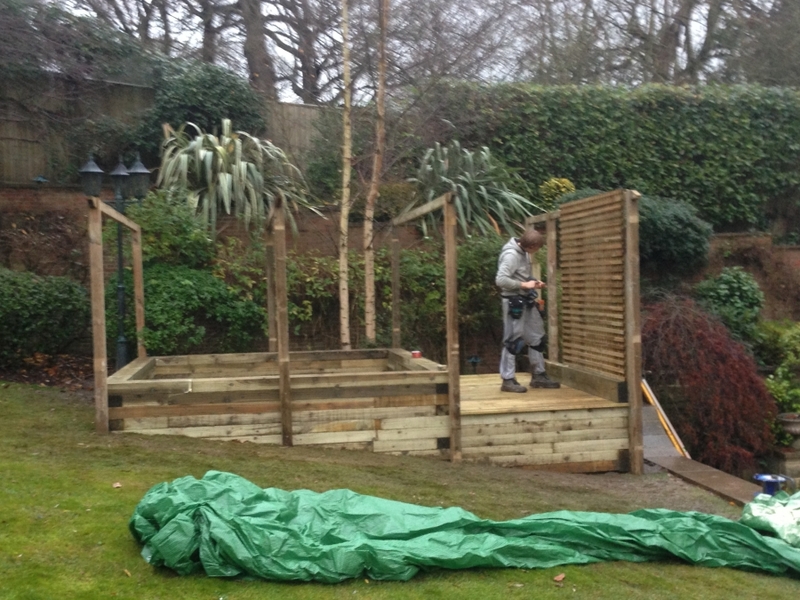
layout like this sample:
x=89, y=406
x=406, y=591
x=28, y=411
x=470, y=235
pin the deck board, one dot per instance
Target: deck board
x=481, y=395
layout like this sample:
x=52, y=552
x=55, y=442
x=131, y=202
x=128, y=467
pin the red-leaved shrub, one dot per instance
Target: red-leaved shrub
x=708, y=384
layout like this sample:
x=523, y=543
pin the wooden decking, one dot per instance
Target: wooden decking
x=563, y=429
x=480, y=395
x=397, y=405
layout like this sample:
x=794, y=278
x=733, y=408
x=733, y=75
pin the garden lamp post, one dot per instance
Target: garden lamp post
x=138, y=180
x=91, y=178
x=120, y=177
x=133, y=183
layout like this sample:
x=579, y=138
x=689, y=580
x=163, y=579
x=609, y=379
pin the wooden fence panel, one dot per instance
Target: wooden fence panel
x=592, y=238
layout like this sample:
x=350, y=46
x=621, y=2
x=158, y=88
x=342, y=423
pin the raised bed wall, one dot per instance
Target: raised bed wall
x=378, y=400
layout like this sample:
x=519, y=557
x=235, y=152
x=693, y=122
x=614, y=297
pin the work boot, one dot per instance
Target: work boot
x=512, y=385
x=541, y=380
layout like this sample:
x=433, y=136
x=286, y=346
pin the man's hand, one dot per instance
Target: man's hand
x=532, y=285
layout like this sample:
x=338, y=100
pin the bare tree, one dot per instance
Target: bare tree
x=769, y=43
x=260, y=63
x=149, y=21
x=344, y=214
x=377, y=166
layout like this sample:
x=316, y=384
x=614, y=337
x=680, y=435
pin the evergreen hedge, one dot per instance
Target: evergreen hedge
x=727, y=150
x=39, y=314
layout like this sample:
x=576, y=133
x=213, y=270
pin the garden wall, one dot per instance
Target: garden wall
x=775, y=268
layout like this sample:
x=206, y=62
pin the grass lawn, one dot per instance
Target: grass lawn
x=64, y=534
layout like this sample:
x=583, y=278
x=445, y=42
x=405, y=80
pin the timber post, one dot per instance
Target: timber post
x=396, y=317
x=100, y=351
x=633, y=331
x=272, y=321
x=552, y=288
x=281, y=301
x=138, y=291
x=453, y=351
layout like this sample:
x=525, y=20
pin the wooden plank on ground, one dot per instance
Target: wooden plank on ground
x=405, y=445
x=561, y=458
x=309, y=439
x=591, y=466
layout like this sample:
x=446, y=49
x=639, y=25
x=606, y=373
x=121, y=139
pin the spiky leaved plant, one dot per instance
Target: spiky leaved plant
x=233, y=171
x=484, y=199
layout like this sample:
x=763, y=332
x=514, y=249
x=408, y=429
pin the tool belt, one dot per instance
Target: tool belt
x=517, y=304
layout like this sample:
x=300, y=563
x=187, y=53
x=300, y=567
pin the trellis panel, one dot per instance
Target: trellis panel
x=592, y=267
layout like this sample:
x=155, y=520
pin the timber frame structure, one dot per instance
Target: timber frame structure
x=385, y=400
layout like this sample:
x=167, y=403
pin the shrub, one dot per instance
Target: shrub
x=39, y=314
x=189, y=311
x=672, y=238
x=709, y=385
x=784, y=384
x=734, y=296
x=485, y=190
x=171, y=233
x=768, y=346
x=552, y=189
x=199, y=93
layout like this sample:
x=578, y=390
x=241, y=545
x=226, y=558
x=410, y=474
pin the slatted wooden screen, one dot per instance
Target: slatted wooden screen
x=592, y=266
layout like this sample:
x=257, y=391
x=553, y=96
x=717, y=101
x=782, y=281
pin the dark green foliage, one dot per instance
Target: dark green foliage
x=171, y=234
x=188, y=312
x=313, y=292
x=199, y=93
x=784, y=384
x=672, y=238
x=734, y=296
x=768, y=346
x=484, y=190
x=39, y=314
x=324, y=159
x=725, y=150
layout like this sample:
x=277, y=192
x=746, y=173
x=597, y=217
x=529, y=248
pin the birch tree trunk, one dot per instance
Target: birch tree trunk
x=344, y=214
x=377, y=166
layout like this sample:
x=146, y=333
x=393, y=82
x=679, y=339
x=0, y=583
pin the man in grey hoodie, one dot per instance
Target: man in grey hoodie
x=522, y=324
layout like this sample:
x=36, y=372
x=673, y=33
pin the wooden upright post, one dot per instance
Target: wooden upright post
x=633, y=331
x=553, y=353
x=451, y=303
x=272, y=320
x=396, y=340
x=282, y=309
x=138, y=291
x=98, y=316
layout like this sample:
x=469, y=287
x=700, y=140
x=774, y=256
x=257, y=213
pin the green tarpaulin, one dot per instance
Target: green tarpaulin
x=226, y=526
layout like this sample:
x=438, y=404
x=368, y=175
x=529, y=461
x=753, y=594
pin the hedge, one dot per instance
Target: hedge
x=727, y=150
x=39, y=314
